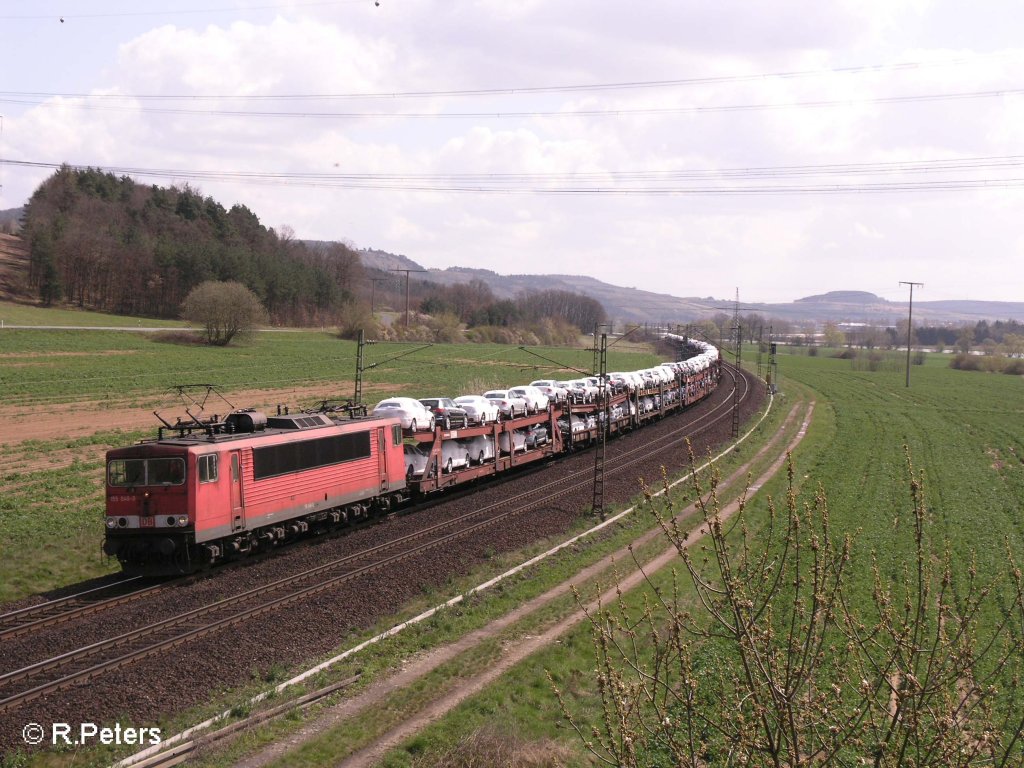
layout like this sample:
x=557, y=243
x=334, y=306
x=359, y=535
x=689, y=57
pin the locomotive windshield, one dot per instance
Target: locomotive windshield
x=122, y=473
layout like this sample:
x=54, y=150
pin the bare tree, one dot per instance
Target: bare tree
x=762, y=658
x=225, y=310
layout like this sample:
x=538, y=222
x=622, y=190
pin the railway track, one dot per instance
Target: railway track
x=70, y=607
x=62, y=671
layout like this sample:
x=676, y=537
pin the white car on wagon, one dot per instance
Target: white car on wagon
x=536, y=400
x=412, y=413
x=479, y=409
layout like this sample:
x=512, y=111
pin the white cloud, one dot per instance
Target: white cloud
x=771, y=246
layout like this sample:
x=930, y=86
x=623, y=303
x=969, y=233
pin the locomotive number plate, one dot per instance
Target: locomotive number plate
x=147, y=522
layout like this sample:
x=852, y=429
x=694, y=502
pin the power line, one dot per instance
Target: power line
x=174, y=11
x=518, y=115
x=570, y=185
x=773, y=172
x=507, y=91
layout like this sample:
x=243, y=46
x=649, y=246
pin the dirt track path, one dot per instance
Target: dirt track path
x=514, y=652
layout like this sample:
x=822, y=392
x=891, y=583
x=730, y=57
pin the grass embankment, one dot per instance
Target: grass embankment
x=964, y=429
x=51, y=508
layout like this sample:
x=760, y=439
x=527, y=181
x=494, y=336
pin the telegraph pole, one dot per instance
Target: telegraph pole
x=910, y=318
x=407, y=271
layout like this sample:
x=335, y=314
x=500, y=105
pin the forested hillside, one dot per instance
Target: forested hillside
x=108, y=243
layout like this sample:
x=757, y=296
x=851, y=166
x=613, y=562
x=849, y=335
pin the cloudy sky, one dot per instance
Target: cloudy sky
x=784, y=148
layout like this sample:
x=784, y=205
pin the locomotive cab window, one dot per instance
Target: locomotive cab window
x=207, y=468
x=124, y=473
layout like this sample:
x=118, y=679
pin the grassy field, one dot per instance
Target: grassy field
x=27, y=314
x=66, y=366
x=52, y=504
x=966, y=430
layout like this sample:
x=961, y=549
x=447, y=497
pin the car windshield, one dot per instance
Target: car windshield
x=431, y=402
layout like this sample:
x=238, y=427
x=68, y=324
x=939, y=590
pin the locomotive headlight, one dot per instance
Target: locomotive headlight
x=183, y=520
x=111, y=522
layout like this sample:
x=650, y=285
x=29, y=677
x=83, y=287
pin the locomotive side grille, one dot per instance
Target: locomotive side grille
x=299, y=421
x=286, y=458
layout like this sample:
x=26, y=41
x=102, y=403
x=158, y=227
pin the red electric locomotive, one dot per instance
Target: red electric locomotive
x=212, y=491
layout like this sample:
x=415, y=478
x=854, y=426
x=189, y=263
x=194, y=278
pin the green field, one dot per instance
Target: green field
x=27, y=314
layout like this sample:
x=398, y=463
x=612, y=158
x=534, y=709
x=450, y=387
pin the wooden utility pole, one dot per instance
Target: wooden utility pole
x=910, y=322
x=407, y=271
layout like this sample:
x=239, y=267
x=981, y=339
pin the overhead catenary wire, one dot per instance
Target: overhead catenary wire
x=637, y=183
x=86, y=104
x=175, y=11
x=944, y=164
x=514, y=90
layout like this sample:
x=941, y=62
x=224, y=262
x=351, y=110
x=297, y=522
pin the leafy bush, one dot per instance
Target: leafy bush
x=225, y=311
x=446, y=328
x=965, y=362
x=357, y=316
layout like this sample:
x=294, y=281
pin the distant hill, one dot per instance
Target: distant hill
x=11, y=219
x=842, y=297
x=634, y=305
